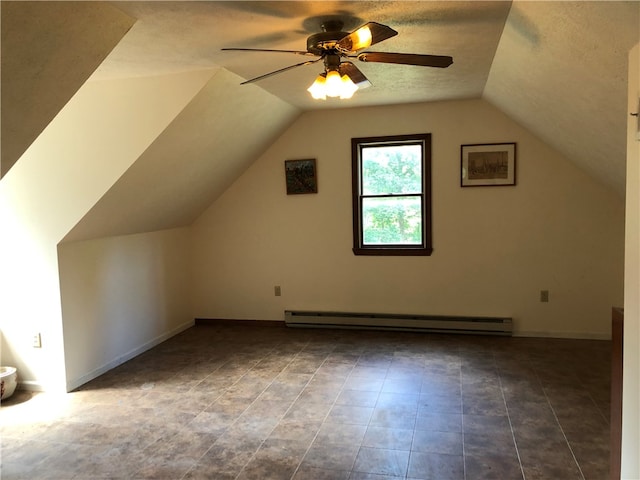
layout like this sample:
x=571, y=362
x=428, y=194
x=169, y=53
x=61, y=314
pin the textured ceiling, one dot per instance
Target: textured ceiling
x=174, y=36
x=561, y=71
x=558, y=68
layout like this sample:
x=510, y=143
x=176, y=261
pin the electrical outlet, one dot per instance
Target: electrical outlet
x=544, y=296
x=277, y=291
x=37, y=341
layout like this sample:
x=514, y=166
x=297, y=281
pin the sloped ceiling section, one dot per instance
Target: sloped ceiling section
x=560, y=70
x=208, y=145
x=48, y=51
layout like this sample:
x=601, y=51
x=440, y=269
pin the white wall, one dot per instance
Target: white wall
x=630, y=468
x=495, y=248
x=121, y=296
x=101, y=131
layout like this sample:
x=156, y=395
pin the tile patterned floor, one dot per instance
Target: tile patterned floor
x=243, y=402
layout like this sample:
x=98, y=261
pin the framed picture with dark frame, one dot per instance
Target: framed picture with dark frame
x=488, y=164
x=300, y=176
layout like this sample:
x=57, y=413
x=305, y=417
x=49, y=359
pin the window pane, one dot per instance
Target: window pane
x=392, y=169
x=392, y=221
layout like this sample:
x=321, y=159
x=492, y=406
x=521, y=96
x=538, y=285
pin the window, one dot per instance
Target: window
x=392, y=195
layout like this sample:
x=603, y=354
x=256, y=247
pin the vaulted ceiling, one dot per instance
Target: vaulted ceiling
x=557, y=68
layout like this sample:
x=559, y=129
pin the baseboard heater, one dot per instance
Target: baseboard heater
x=408, y=322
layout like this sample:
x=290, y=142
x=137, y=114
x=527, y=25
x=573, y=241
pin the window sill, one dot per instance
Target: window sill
x=399, y=252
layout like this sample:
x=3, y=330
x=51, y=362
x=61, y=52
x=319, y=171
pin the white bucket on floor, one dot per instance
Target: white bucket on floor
x=8, y=381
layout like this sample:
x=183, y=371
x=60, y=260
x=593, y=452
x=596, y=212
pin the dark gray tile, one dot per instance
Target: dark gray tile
x=349, y=414
x=392, y=399
x=371, y=371
x=404, y=386
x=486, y=424
x=183, y=443
x=434, y=466
x=366, y=383
x=488, y=443
x=162, y=466
x=593, y=456
x=382, y=461
x=331, y=456
x=531, y=434
x=439, y=403
x=281, y=391
x=212, y=422
x=439, y=422
x=275, y=459
x=306, y=472
x=275, y=408
x=372, y=476
x=484, y=405
x=302, y=432
x=231, y=402
x=394, y=417
x=449, y=443
x=302, y=411
x=550, y=459
x=491, y=467
x=320, y=394
x=337, y=433
x=391, y=438
x=357, y=398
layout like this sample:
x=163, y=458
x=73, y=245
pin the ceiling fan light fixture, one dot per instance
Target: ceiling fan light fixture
x=348, y=87
x=331, y=84
x=318, y=88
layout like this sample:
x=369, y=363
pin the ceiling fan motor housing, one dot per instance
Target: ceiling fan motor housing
x=323, y=42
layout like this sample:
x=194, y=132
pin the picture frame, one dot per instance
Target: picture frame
x=488, y=164
x=300, y=176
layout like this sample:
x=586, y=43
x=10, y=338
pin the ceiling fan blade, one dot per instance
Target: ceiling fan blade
x=297, y=52
x=308, y=62
x=365, y=36
x=439, y=61
x=356, y=76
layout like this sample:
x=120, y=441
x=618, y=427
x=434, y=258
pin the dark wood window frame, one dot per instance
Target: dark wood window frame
x=425, y=247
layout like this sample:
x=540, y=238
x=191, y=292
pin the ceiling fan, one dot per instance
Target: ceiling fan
x=341, y=78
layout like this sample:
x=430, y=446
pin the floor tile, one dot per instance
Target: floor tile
x=315, y=473
x=439, y=422
x=337, y=433
x=357, y=398
x=302, y=432
x=490, y=467
x=382, y=461
x=366, y=383
x=232, y=403
x=434, y=466
x=449, y=443
x=331, y=456
x=372, y=476
x=439, y=403
x=349, y=414
x=394, y=417
x=391, y=438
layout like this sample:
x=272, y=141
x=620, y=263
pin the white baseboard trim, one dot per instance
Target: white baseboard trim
x=31, y=386
x=76, y=382
x=566, y=335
